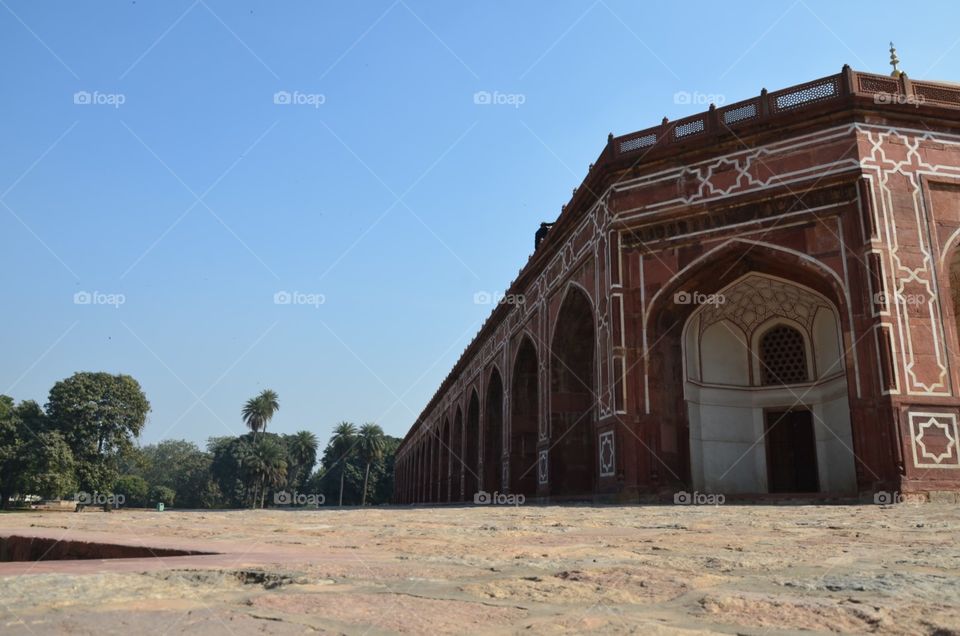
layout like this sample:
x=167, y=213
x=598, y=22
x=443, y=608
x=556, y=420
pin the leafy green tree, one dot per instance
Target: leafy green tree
x=49, y=469
x=135, y=489
x=133, y=462
x=33, y=459
x=342, y=443
x=371, y=444
x=258, y=411
x=301, y=456
x=226, y=468
x=184, y=468
x=162, y=494
x=99, y=416
x=11, y=446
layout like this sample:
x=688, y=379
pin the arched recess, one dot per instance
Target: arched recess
x=434, y=474
x=444, y=455
x=472, y=448
x=418, y=484
x=414, y=473
x=457, y=463
x=766, y=391
x=665, y=453
x=425, y=469
x=524, y=419
x=493, y=432
x=572, y=397
x=422, y=485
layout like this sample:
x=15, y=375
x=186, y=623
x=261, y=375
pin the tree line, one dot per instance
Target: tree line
x=84, y=441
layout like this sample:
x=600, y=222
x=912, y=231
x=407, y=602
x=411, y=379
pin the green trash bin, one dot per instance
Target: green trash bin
x=160, y=507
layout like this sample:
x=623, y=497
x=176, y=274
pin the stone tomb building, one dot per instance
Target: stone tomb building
x=761, y=299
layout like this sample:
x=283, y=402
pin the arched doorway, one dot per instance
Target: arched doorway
x=457, y=463
x=524, y=420
x=444, y=456
x=437, y=471
x=572, y=397
x=419, y=489
x=766, y=391
x=493, y=433
x=432, y=473
x=408, y=479
x=472, y=448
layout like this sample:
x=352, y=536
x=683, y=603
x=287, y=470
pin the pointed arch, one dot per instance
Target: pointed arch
x=471, y=446
x=444, y=457
x=573, y=391
x=457, y=463
x=493, y=431
x=524, y=418
x=747, y=431
x=434, y=474
x=721, y=266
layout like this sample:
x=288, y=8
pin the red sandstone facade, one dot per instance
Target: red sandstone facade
x=827, y=215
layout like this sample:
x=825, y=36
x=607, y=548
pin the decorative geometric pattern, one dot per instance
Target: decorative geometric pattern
x=875, y=84
x=638, y=142
x=756, y=299
x=934, y=437
x=938, y=94
x=812, y=93
x=919, y=325
x=689, y=128
x=542, y=467
x=607, y=468
x=748, y=111
x=783, y=356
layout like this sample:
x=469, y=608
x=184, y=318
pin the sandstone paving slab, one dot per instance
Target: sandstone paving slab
x=499, y=570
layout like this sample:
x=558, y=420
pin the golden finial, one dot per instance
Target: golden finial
x=894, y=61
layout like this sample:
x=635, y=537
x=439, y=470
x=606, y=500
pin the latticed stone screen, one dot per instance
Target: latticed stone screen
x=783, y=356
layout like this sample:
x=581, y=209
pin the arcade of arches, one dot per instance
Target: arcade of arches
x=778, y=316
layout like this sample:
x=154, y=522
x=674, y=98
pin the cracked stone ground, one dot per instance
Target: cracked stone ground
x=498, y=570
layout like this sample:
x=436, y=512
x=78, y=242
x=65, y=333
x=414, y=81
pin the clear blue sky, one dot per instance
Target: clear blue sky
x=397, y=198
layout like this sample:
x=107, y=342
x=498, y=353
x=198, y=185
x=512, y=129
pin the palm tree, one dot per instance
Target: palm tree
x=371, y=444
x=259, y=410
x=344, y=437
x=264, y=462
x=302, y=449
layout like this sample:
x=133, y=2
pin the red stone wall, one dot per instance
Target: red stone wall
x=861, y=206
